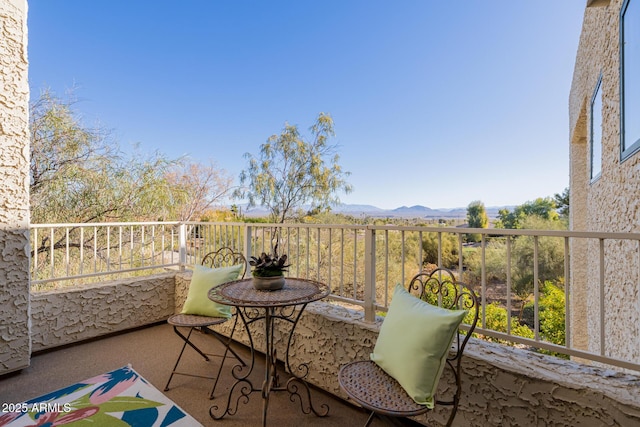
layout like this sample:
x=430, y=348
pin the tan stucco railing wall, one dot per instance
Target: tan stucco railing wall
x=502, y=385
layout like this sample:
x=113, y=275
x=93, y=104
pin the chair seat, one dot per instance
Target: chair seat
x=193, y=320
x=374, y=389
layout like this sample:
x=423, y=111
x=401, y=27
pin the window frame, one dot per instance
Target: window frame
x=633, y=147
x=596, y=92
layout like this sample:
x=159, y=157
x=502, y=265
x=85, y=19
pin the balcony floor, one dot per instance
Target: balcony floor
x=151, y=351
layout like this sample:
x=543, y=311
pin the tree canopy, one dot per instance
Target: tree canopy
x=476, y=218
x=79, y=174
x=291, y=172
x=544, y=208
x=562, y=202
x=477, y=215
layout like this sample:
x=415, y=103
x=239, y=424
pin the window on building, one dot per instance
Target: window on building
x=595, y=135
x=630, y=84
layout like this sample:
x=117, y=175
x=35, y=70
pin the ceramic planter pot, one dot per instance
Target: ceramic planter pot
x=268, y=283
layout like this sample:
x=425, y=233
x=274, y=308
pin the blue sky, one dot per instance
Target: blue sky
x=434, y=103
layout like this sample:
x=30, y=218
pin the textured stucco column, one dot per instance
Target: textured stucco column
x=607, y=203
x=578, y=260
x=15, y=343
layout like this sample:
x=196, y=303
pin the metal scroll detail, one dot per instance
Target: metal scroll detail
x=292, y=388
x=245, y=387
x=281, y=312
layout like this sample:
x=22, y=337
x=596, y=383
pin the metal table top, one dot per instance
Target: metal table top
x=241, y=293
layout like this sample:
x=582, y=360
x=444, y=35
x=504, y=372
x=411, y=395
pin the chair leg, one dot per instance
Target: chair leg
x=370, y=419
x=228, y=349
x=186, y=341
x=454, y=411
x=223, y=340
x=184, y=345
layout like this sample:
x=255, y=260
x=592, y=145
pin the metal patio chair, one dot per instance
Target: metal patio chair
x=223, y=257
x=371, y=387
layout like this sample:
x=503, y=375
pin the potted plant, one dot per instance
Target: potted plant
x=268, y=270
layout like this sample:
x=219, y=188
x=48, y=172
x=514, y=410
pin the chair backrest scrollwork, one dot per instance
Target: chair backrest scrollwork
x=225, y=257
x=441, y=288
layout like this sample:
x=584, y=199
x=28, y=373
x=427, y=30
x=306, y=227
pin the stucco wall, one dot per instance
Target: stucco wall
x=14, y=187
x=502, y=385
x=610, y=203
x=67, y=316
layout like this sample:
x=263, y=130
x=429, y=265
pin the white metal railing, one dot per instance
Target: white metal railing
x=362, y=264
x=76, y=252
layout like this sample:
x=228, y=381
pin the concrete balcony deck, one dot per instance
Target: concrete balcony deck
x=152, y=351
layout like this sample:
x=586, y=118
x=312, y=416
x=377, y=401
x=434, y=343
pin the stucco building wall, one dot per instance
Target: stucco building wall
x=610, y=203
x=14, y=187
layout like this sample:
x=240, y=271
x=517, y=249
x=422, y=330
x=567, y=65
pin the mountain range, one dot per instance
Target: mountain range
x=416, y=211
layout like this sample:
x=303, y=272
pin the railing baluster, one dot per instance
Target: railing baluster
x=536, y=290
x=51, y=252
x=81, y=250
x=329, y=258
x=355, y=264
x=602, y=296
x=509, y=308
x=182, y=244
x=386, y=267
x=318, y=255
x=34, y=245
x=95, y=249
x=307, y=258
x=483, y=280
x=120, y=247
x=567, y=294
x=66, y=244
x=108, y=248
x=369, y=275
x=439, y=249
x=342, y=262
x=402, y=259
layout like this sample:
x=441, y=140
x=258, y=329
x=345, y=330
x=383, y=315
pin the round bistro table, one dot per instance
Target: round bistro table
x=253, y=305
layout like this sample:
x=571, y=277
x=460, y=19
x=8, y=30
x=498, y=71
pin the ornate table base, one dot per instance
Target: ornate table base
x=275, y=307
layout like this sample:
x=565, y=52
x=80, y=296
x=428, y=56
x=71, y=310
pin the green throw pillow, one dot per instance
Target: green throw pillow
x=413, y=344
x=203, y=279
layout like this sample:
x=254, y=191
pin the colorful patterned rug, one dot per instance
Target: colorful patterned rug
x=116, y=399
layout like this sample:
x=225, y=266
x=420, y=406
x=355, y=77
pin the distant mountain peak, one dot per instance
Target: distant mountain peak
x=413, y=208
x=415, y=211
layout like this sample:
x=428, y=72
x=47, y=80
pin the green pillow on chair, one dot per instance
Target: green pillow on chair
x=413, y=344
x=203, y=279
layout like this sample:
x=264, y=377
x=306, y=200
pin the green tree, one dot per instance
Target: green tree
x=291, y=172
x=476, y=218
x=78, y=174
x=550, y=256
x=431, y=244
x=497, y=320
x=551, y=315
x=544, y=208
x=477, y=215
x=562, y=202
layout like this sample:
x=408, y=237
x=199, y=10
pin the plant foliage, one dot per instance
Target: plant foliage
x=269, y=265
x=291, y=172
